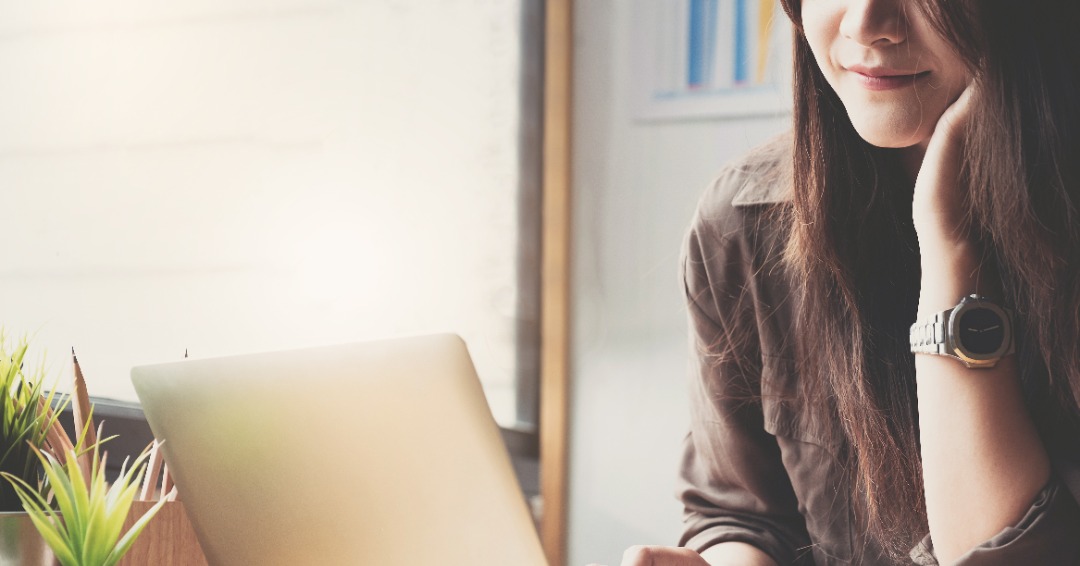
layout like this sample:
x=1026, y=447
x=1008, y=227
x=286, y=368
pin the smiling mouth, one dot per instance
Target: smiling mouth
x=888, y=82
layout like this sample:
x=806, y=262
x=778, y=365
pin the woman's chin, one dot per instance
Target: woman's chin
x=892, y=135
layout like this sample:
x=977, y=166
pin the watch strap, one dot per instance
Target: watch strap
x=928, y=336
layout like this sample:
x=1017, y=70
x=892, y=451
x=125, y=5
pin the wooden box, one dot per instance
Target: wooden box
x=168, y=540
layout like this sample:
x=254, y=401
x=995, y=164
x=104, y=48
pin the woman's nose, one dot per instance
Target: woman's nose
x=875, y=22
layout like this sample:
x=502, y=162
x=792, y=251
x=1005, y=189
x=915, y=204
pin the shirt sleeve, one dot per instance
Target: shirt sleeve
x=1045, y=535
x=732, y=481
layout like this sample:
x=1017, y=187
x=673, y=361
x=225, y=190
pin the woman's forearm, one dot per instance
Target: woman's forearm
x=983, y=460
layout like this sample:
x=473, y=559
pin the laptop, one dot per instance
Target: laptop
x=381, y=453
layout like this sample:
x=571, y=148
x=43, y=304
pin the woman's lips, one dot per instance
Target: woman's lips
x=884, y=79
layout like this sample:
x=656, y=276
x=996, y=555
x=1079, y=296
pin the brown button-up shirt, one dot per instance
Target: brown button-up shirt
x=755, y=468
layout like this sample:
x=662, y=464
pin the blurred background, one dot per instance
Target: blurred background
x=232, y=176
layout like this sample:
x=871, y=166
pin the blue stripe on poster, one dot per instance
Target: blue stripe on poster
x=696, y=52
x=742, y=71
x=709, y=27
x=702, y=48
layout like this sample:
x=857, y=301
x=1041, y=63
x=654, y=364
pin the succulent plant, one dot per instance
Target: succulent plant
x=25, y=419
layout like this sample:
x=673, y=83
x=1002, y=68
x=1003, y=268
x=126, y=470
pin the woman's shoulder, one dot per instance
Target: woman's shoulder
x=740, y=223
x=757, y=181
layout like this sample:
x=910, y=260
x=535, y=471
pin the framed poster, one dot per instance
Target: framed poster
x=710, y=58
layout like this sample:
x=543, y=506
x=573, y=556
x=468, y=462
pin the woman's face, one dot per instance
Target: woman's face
x=890, y=68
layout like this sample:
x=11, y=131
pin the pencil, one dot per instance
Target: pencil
x=168, y=488
x=153, y=470
x=81, y=407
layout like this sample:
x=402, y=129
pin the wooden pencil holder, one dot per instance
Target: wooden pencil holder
x=168, y=540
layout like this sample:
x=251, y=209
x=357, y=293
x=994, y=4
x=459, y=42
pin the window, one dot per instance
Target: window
x=235, y=176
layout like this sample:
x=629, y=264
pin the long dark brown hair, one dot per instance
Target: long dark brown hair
x=852, y=244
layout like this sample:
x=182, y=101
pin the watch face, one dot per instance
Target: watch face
x=981, y=331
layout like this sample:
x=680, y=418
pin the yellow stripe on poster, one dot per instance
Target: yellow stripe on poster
x=765, y=20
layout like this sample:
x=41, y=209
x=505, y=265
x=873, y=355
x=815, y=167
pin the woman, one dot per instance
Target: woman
x=934, y=157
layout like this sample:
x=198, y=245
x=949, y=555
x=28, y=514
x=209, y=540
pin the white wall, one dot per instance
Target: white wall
x=635, y=186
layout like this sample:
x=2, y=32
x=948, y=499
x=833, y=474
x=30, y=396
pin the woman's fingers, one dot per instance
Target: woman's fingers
x=954, y=119
x=725, y=553
x=661, y=556
x=938, y=203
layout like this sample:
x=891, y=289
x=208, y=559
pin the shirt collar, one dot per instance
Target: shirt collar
x=765, y=173
x=755, y=192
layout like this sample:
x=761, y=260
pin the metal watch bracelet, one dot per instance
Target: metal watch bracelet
x=928, y=337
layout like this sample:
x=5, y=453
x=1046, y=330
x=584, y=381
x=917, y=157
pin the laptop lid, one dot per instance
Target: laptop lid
x=369, y=453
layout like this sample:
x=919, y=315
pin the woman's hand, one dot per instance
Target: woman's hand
x=660, y=556
x=938, y=207
x=949, y=256
x=723, y=554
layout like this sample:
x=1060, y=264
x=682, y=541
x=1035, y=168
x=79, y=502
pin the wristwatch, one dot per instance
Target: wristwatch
x=977, y=332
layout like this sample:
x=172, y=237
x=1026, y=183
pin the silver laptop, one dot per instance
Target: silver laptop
x=381, y=453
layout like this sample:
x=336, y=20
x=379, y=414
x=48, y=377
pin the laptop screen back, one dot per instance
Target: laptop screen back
x=370, y=453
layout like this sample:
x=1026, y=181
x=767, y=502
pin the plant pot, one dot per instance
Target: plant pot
x=168, y=540
x=21, y=544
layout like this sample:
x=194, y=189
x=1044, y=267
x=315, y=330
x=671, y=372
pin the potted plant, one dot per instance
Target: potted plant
x=87, y=530
x=23, y=421
x=54, y=486
x=23, y=427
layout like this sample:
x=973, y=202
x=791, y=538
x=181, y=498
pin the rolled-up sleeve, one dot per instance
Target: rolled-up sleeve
x=1047, y=534
x=732, y=482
